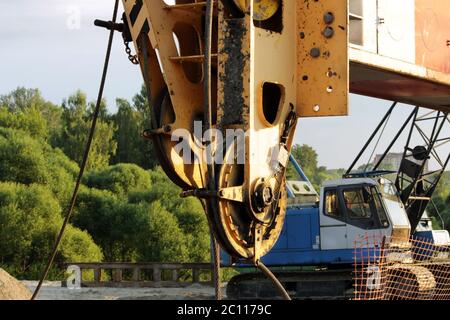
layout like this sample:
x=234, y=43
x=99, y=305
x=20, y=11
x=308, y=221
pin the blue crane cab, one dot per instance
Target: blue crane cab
x=321, y=229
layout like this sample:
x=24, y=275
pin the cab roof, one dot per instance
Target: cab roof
x=348, y=182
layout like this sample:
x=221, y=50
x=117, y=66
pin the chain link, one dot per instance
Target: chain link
x=133, y=58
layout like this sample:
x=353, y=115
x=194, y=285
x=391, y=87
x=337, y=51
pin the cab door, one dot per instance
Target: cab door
x=333, y=229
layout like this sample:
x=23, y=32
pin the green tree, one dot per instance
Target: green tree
x=128, y=135
x=76, y=120
x=307, y=158
x=131, y=121
x=29, y=121
x=120, y=179
x=130, y=232
x=441, y=198
x=62, y=173
x=30, y=217
x=163, y=239
x=123, y=214
x=22, y=99
x=114, y=224
x=21, y=158
x=29, y=161
x=188, y=212
x=142, y=105
x=29, y=111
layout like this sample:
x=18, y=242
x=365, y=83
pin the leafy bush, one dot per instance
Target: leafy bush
x=30, y=122
x=130, y=232
x=30, y=217
x=188, y=212
x=120, y=179
x=78, y=246
x=130, y=213
x=21, y=158
x=162, y=240
x=27, y=161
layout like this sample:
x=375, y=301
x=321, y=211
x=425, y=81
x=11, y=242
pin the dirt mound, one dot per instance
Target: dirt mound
x=12, y=289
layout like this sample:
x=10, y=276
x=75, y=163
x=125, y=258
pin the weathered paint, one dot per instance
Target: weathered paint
x=382, y=77
x=262, y=9
x=154, y=20
x=433, y=34
x=233, y=107
x=322, y=62
x=409, y=59
x=243, y=68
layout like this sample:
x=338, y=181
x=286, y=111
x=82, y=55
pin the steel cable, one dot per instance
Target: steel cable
x=209, y=14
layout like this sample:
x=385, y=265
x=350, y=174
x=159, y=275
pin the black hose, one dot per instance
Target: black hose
x=274, y=280
x=85, y=158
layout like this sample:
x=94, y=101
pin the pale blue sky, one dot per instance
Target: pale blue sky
x=41, y=50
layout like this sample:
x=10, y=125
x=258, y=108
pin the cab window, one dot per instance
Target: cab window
x=384, y=222
x=356, y=203
x=332, y=208
x=364, y=208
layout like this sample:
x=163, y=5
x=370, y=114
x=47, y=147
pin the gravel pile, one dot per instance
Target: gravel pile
x=12, y=289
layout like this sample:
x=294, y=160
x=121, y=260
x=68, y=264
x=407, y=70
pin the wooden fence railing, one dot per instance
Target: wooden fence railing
x=145, y=275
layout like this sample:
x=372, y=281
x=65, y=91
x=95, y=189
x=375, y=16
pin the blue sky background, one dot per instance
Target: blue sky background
x=39, y=49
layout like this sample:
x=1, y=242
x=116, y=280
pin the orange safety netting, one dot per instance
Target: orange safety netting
x=392, y=269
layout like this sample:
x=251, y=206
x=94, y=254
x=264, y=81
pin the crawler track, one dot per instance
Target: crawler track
x=301, y=285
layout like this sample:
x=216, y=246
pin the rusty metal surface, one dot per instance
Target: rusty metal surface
x=425, y=80
x=234, y=60
x=381, y=77
x=244, y=49
x=234, y=222
x=433, y=34
x=322, y=60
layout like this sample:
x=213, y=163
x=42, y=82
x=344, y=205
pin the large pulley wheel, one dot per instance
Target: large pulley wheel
x=234, y=222
x=162, y=116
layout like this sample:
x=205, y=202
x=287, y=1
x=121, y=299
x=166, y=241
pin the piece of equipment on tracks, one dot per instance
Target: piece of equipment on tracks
x=228, y=80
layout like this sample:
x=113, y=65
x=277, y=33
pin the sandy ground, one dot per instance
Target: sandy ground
x=54, y=291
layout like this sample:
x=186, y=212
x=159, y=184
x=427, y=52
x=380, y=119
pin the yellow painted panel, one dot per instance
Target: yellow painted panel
x=322, y=58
